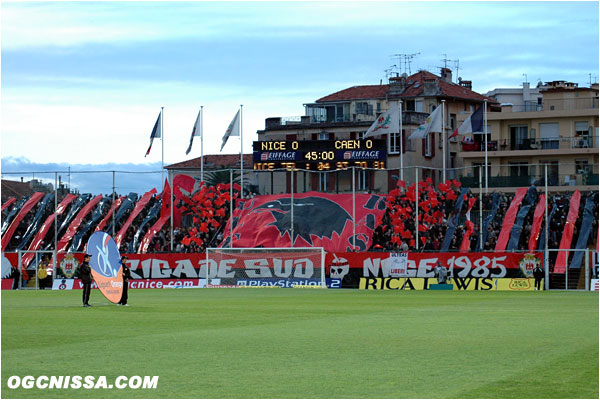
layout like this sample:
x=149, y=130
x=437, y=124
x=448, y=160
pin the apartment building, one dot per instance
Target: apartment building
x=559, y=129
x=339, y=121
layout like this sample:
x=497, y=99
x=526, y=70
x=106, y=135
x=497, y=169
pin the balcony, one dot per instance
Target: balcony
x=412, y=118
x=570, y=104
x=554, y=180
x=532, y=144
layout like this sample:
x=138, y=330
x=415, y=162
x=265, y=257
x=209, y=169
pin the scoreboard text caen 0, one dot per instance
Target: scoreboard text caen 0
x=321, y=155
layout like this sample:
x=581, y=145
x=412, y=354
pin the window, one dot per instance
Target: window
x=378, y=108
x=549, y=135
x=323, y=135
x=419, y=106
x=552, y=172
x=410, y=105
x=394, y=143
x=520, y=168
x=476, y=169
x=340, y=113
x=428, y=145
x=362, y=180
x=581, y=128
x=323, y=181
x=519, y=137
x=364, y=108
x=582, y=166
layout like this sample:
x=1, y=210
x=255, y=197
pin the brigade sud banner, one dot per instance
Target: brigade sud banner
x=344, y=269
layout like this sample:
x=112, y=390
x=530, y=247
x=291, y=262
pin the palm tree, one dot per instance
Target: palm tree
x=222, y=176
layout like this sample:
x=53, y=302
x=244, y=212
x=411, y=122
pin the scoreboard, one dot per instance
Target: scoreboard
x=320, y=155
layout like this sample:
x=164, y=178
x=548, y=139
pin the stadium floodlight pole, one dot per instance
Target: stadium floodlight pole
x=401, y=139
x=292, y=208
x=546, y=251
x=113, y=205
x=231, y=204
x=55, y=212
x=162, y=141
x=353, y=208
x=172, y=204
x=207, y=281
x=241, y=155
x=417, y=207
x=480, y=212
x=443, y=142
x=202, y=144
x=485, y=134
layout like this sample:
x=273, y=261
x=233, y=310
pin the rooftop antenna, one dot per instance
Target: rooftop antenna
x=446, y=60
x=389, y=71
x=525, y=75
x=407, y=59
x=456, y=66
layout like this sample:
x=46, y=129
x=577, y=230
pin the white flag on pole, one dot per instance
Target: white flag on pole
x=388, y=122
x=433, y=123
x=232, y=130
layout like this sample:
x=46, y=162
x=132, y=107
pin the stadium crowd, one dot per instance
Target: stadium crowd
x=204, y=215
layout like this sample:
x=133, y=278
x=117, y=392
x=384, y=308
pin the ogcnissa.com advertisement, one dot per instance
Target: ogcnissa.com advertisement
x=71, y=284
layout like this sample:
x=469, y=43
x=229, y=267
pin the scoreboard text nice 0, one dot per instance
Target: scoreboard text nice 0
x=319, y=155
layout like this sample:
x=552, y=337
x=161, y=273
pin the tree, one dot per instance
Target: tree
x=216, y=177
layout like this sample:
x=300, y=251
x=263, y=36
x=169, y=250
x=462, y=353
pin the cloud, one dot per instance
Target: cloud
x=87, y=178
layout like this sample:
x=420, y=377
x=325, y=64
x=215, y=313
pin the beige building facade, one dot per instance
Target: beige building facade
x=560, y=135
x=348, y=114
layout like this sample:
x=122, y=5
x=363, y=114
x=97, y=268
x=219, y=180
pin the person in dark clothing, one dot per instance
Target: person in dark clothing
x=538, y=274
x=126, y=277
x=85, y=274
x=15, y=275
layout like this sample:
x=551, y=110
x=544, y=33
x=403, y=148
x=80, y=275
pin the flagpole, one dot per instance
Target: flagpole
x=443, y=141
x=401, y=139
x=417, y=208
x=485, y=133
x=172, y=187
x=202, y=144
x=241, y=155
x=162, y=141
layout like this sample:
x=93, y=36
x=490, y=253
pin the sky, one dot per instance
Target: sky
x=82, y=83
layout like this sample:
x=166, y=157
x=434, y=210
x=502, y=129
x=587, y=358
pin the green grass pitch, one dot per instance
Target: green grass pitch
x=306, y=343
